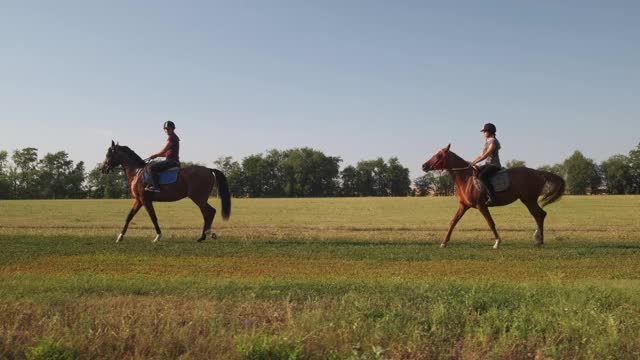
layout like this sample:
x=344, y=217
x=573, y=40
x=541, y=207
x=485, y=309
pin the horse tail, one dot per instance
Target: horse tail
x=553, y=188
x=223, y=192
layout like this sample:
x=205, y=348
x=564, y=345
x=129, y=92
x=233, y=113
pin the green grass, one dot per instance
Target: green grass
x=320, y=278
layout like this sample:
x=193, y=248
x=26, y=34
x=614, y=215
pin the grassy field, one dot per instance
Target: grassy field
x=320, y=278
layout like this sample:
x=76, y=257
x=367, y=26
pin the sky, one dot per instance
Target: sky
x=355, y=79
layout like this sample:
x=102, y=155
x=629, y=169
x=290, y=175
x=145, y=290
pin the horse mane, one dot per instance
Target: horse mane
x=460, y=162
x=132, y=155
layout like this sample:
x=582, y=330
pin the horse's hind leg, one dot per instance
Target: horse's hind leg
x=538, y=214
x=208, y=213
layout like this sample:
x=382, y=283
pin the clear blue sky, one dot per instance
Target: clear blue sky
x=356, y=79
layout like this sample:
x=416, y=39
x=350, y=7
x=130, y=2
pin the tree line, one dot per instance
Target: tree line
x=299, y=172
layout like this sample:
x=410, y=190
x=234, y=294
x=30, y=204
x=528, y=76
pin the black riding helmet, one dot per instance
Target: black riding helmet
x=169, y=125
x=489, y=127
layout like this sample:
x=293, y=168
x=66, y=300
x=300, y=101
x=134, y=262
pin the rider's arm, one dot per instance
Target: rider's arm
x=484, y=154
x=163, y=152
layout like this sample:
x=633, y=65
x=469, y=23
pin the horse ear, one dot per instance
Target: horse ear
x=113, y=144
x=448, y=147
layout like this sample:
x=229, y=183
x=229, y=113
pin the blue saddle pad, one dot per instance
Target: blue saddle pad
x=166, y=177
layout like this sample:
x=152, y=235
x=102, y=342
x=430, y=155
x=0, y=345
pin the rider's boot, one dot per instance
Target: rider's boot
x=491, y=195
x=153, y=187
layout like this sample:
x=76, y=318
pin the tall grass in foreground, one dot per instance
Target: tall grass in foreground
x=320, y=279
x=277, y=320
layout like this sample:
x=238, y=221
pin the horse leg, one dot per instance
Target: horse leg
x=492, y=225
x=134, y=210
x=152, y=214
x=461, y=210
x=538, y=214
x=208, y=213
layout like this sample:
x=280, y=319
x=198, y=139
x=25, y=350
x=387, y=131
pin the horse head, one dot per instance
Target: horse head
x=112, y=159
x=438, y=161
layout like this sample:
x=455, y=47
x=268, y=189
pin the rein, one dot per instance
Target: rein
x=460, y=169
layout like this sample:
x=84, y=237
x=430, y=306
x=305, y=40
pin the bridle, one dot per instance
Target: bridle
x=443, y=161
x=108, y=168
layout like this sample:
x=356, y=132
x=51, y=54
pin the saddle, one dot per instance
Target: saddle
x=500, y=181
x=168, y=176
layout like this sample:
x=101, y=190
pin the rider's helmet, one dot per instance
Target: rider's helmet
x=489, y=127
x=169, y=125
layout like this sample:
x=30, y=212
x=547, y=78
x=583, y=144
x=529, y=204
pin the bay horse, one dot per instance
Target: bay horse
x=526, y=184
x=195, y=182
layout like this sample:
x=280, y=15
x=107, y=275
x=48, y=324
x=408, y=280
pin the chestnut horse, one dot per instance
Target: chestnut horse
x=526, y=184
x=195, y=182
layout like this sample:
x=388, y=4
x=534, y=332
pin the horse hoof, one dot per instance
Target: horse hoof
x=120, y=237
x=443, y=245
x=157, y=238
x=208, y=233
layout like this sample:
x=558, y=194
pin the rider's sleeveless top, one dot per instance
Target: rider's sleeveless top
x=494, y=158
x=174, y=150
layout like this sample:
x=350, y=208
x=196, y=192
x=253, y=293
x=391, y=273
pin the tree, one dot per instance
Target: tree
x=234, y=173
x=294, y=173
x=370, y=179
x=398, y=178
x=309, y=172
x=349, y=179
x=75, y=182
x=439, y=184
x=515, y=163
x=557, y=169
x=444, y=185
x=255, y=175
x=582, y=174
x=113, y=185
x=617, y=174
x=59, y=178
x=25, y=175
x=424, y=184
x=634, y=164
x=376, y=178
x=274, y=179
x=5, y=184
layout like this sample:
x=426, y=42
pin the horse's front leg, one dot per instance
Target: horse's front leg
x=461, y=210
x=492, y=225
x=152, y=214
x=134, y=210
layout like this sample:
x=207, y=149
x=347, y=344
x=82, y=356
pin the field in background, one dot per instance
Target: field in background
x=320, y=278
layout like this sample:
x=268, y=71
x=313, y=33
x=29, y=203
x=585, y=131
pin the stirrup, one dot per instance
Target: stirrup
x=490, y=201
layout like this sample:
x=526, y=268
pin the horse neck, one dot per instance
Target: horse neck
x=131, y=173
x=456, y=162
x=131, y=167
